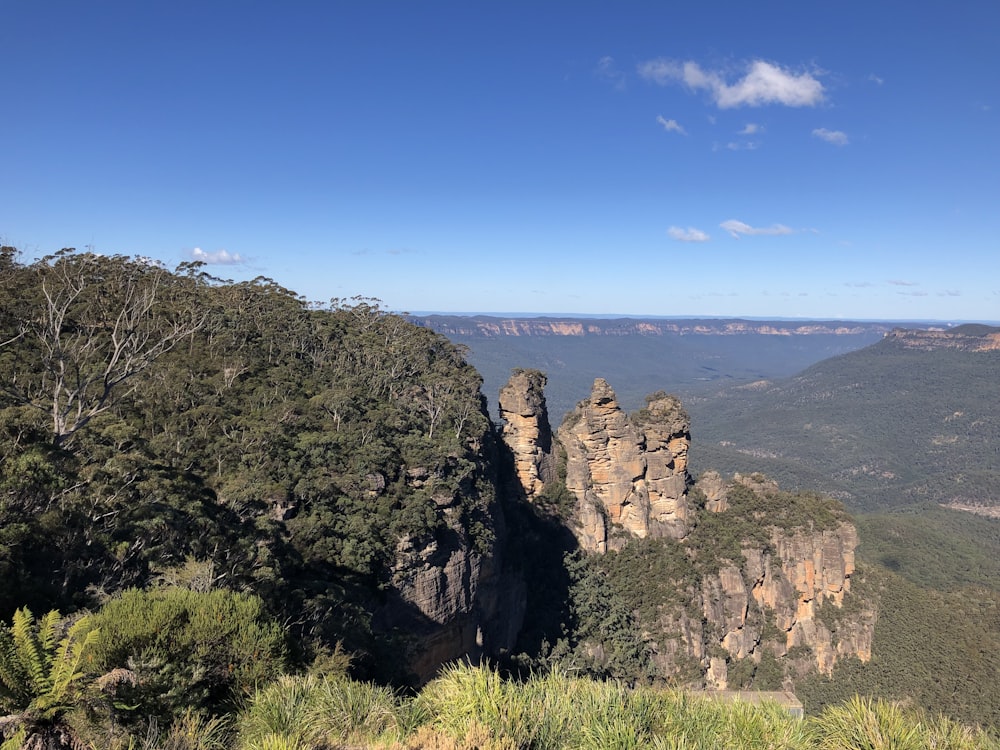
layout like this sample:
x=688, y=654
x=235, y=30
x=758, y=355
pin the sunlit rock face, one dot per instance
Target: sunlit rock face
x=526, y=430
x=628, y=473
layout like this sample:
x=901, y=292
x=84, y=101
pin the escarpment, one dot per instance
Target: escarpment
x=739, y=579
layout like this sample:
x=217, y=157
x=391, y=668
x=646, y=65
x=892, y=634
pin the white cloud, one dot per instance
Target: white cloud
x=671, y=126
x=688, y=235
x=218, y=258
x=751, y=128
x=836, y=137
x=763, y=83
x=876, y=79
x=902, y=282
x=736, y=228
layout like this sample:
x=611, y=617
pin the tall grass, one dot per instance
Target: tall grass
x=473, y=708
x=298, y=713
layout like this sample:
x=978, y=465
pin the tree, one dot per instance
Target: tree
x=84, y=326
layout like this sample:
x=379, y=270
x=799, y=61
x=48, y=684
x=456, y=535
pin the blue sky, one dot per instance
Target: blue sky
x=761, y=159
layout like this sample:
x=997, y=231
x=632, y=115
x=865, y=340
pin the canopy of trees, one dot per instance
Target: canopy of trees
x=159, y=424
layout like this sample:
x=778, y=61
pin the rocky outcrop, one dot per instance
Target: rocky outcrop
x=779, y=592
x=784, y=600
x=453, y=595
x=969, y=338
x=627, y=473
x=526, y=430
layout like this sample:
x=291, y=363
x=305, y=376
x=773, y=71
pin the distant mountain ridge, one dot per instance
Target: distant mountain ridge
x=971, y=337
x=489, y=326
x=640, y=355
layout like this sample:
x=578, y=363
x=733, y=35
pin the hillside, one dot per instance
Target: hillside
x=170, y=426
x=640, y=356
x=911, y=419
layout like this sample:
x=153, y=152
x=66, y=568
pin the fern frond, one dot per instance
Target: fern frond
x=15, y=691
x=48, y=628
x=29, y=649
x=66, y=666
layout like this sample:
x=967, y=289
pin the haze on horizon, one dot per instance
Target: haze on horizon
x=718, y=160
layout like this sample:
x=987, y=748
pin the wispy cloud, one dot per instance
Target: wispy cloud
x=836, y=137
x=607, y=70
x=913, y=294
x=950, y=293
x=737, y=228
x=736, y=146
x=876, y=79
x=763, y=83
x=751, y=128
x=671, y=126
x=688, y=235
x=218, y=258
x=859, y=284
x=902, y=282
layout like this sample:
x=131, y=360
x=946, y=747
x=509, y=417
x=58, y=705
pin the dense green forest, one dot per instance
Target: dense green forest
x=161, y=426
x=211, y=494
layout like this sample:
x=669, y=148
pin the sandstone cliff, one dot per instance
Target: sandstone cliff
x=491, y=326
x=526, y=430
x=761, y=575
x=454, y=596
x=626, y=472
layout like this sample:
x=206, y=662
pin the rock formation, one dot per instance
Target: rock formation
x=526, y=430
x=778, y=593
x=626, y=472
x=453, y=596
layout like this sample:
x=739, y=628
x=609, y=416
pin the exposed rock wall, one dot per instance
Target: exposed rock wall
x=454, y=598
x=526, y=430
x=769, y=602
x=629, y=476
x=626, y=472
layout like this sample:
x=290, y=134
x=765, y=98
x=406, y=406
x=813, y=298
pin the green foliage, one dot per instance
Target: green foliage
x=888, y=426
x=934, y=546
x=290, y=446
x=310, y=711
x=939, y=650
x=602, y=638
x=189, y=649
x=42, y=676
x=473, y=707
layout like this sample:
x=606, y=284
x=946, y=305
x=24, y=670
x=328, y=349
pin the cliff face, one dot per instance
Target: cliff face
x=779, y=593
x=968, y=338
x=782, y=599
x=526, y=430
x=454, y=596
x=626, y=472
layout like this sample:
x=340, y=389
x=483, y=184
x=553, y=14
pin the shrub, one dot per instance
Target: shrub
x=190, y=649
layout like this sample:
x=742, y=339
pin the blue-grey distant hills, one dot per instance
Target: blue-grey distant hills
x=639, y=356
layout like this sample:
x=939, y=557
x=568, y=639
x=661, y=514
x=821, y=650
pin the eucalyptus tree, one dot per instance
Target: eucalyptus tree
x=79, y=327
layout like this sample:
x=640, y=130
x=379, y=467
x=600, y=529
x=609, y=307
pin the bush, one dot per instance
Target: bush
x=189, y=649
